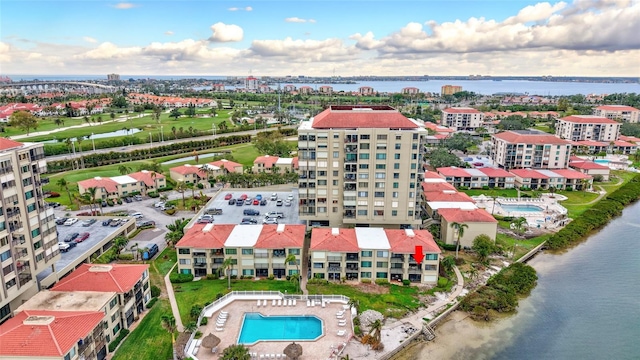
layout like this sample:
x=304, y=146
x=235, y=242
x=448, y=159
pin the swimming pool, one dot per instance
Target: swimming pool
x=521, y=208
x=257, y=327
x=602, y=161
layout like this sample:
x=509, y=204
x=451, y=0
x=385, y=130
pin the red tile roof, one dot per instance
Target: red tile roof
x=6, y=144
x=466, y=216
x=402, y=243
x=621, y=143
x=629, y=138
x=575, y=158
x=98, y=182
x=362, y=116
x=432, y=175
x=588, y=119
x=291, y=236
x=448, y=197
x=188, y=169
x=437, y=186
x=616, y=108
x=453, y=171
x=528, y=174
x=294, y=162
x=589, y=143
x=323, y=239
x=118, y=278
x=571, y=174
x=229, y=165
x=495, y=172
x=587, y=165
x=147, y=177
x=30, y=337
x=461, y=111
x=267, y=160
x=517, y=138
x=214, y=238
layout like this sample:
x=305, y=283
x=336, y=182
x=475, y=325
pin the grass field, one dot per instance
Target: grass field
x=149, y=340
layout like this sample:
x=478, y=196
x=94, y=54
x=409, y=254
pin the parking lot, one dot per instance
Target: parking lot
x=232, y=214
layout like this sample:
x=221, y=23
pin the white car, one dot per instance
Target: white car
x=70, y=221
x=137, y=215
x=270, y=221
x=274, y=197
x=290, y=197
x=287, y=203
x=159, y=204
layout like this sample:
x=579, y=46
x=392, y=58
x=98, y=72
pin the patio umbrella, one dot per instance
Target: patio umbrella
x=293, y=350
x=210, y=341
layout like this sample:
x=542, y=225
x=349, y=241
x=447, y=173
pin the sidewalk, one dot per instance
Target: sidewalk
x=172, y=300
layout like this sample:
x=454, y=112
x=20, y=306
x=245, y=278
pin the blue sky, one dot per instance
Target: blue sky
x=312, y=37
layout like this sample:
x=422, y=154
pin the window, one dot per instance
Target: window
x=382, y=137
x=294, y=251
x=378, y=194
x=335, y=173
x=378, y=212
x=364, y=137
x=381, y=275
x=318, y=265
x=71, y=354
x=396, y=175
x=363, y=166
x=184, y=251
x=364, y=156
x=116, y=329
x=381, y=166
x=413, y=166
x=431, y=257
x=396, y=185
x=37, y=245
x=396, y=166
x=396, y=156
x=5, y=255
x=364, y=146
x=363, y=193
x=336, y=154
x=113, y=302
x=362, y=212
x=379, y=185
x=322, y=182
x=365, y=264
x=363, y=184
x=114, y=316
x=394, y=212
x=247, y=251
x=29, y=194
x=366, y=253
x=184, y=261
x=381, y=156
x=366, y=275
x=334, y=182
x=398, y=146
x=363, y=176
x=382, y=264
x=382, y=253
x=231, y=251
x=247, y=272
x=35, y=232
x=381, y=175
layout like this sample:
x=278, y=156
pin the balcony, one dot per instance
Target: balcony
x=217, y=252
x=200, y=264
x=352, y=257
x=334, y=258
x=397, y=258
x=199, y=254
x=260, y=255
x=352, y=267
x=396, y=270
x=349, y=214
x=350, y=177
x=334, y=268
x=350, y=187
x=279, y=253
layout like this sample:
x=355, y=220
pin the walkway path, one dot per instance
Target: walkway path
x=172, y=300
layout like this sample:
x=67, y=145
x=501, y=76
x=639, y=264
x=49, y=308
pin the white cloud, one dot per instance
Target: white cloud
x=537, y=12
x=226, y=33
x=109, y=50
x=125, y=6
x=304, y=50
x=168, y=32
x=366, y=41
x=4, y=52
x=247, y=8
x=299, y=20
x=89, y=39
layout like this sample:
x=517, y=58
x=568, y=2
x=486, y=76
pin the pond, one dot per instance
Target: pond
x=99, y=136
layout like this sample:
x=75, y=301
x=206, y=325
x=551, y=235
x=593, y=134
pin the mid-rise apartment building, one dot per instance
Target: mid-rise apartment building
x=374, y=253
x=587, y=127
x=462, y=118
x=518, y=149
x=618, y=112
x=450, y=89
x=119, y=186
x=28, y=238
x=359, y=165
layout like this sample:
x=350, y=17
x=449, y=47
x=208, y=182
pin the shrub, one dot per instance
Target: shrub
x=447, y=247
x=114, y=344
x=442, y=282
x=151, y=302
x=125, y=256
x=155, y=291
x=485, y=187
x=219, y=295
x=177, y=278
x=366, y=281
x=406, y=282
x=119, y=201
x=382, y=282
x=204, y=321
x=200, y=186
x=356, y=330
x=54, y=194
x=109, y=202
x=153, y=194
x=170, y=211
x=271, y=277
x=212, y=277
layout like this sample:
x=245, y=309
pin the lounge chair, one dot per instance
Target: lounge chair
x=278, y=356
x=261, y=356
x=308, y=303
x=342, y=321
x=294, y=302
x=342, y=324
x=224, y=312
x=279, y=304
x=340, y=316
x=259, y=303
x=273, y=302
x=341, y=312
x=323, y=303
x=342, y=332
x=273, y=356
x=219, y=328
x=264, y=303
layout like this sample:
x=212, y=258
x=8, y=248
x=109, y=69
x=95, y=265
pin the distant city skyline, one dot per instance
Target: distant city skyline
x=321, y=38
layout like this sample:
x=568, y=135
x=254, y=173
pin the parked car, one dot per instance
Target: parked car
x=256, y=202
x=248, y=202
x=128, y=200
x=64, y=247
x=150, y=252
x=71, y=237
x=213, y=211
x=248, y=221
x=287, y=203
x=244, y=196
x=258, y=197
x=274, y=197
x=270, y=221
x=251, y=212
x=239, y=202
x=54, y=204
x=106, y=222
x=137, y=198
x=84, y=236
x=88, y=222
x=205, y=219
x=279, y=202
x=290, y=197
x=137, y=215
x=228, y=196
x=61, y=221
x=114, y=222
x=274, y=214
x=145, y=223
x=70, y=221
x=263, y=202
x=232, y=201
x=159, y=204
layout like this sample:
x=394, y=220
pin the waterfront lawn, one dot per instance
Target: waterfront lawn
x=149, y=340
x=508, y=193
x=522, y=246
x=390, y=300
x=162, y=265
x=577, y=201
x=206, y=291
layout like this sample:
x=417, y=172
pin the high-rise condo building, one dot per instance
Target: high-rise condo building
x=359, y=166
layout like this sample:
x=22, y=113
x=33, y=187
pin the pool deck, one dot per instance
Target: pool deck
x=317, y=349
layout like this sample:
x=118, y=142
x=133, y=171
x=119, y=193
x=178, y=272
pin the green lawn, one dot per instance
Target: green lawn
x=397, y=302
x=203, y=291
x=493, y=192
x=149, y=340
x=522, y=246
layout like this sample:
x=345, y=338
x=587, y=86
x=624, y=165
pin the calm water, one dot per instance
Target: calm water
x=256, y=327
x=586, y=304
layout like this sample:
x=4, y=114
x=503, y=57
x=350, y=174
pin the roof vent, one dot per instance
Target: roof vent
x=280, y=228
x=100, y=268
x=207, y=228
x=335, y=231
x=449, y=191
x=409, y=232
x=38, y=320
x=98, y=178
x=144, y=171
x=187, y=165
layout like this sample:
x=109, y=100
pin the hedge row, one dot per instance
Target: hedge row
x=597, y=216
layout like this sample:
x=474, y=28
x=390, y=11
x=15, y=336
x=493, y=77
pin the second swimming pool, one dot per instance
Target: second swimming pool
x=257, y=327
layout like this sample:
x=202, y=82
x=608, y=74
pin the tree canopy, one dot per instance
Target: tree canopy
x=440, y=157
x=23, y=120
x=460, y=141
x=272, y=143
x=514, y=122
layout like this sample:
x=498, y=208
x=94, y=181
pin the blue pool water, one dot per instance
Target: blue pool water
x=521, y=208
x=601, y=161
x=257, y=327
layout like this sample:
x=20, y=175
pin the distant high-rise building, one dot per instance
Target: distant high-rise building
x=251, y=83
x=113, y=77
x=28, y=237
x=450, y=89
x=618, y=112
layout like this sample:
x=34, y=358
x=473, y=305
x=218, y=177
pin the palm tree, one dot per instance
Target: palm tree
x=291, y=258
x=375, y=333
x=124, y=169
x=86, y=198
x=64, y=185
x=227, y=265
x=235, y=352
x=518, y=224
x=92, y=191
x=459, y=228
x=448, y=262
x=169, y=323
x=181, y=187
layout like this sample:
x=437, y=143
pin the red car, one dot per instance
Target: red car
x=84, y=236
x=228, y=196
x=256, y=202
x=244, y=196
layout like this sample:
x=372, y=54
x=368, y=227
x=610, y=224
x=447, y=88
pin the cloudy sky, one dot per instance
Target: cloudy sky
x=320, y=37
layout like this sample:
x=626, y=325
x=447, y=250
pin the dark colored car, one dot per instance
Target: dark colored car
x=232, y=201
x=239, y=202
x=128, y=200
x=71, y=237
x=88, y=222
x=106, y=222
x=248, y=221
x=251, y=212
x=84, y=236
x=146, y=223
x=61, y=221
x=263, y=202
